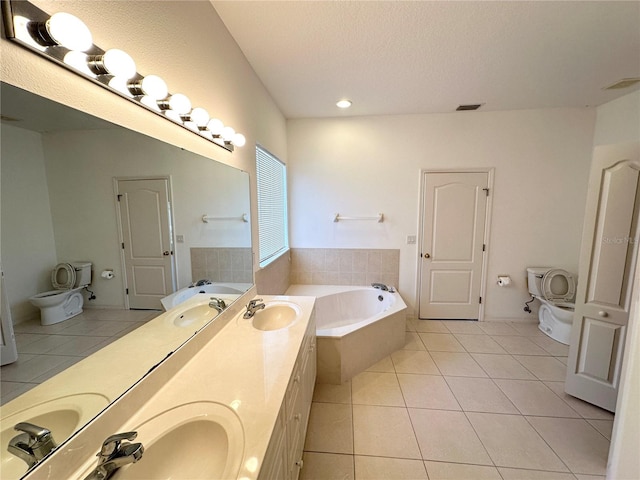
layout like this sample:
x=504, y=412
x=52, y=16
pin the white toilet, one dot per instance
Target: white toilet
x=66, y=300
x=556, y=289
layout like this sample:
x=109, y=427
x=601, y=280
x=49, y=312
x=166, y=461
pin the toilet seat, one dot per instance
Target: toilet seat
x=70, y=273
x=547, y=287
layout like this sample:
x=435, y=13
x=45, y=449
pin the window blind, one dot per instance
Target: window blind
x=272, y=206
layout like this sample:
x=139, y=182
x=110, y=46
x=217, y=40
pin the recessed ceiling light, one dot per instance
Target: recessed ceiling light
x=343, y=104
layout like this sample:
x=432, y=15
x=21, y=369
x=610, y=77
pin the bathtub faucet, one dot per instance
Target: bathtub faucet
x=200, y=283
x=116, y=452
x=33, y=444
x=380, y=286
x=218, y=304
x=253, y=307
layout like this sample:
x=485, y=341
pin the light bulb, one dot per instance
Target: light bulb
x=173, y=115
x=343, y=103
x=114, y=62
x=150, y=102
x=177, y=102
x=199, y=116
x=120, y=84
x=227, y=134
x=68, y=31
x=206, y=134
x=78, y=61
x=239, y=140
x=215, y=126
x=151, y=85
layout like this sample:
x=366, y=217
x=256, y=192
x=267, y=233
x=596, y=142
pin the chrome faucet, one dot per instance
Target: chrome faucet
x=253, y=307
x=33, y=444
x=380, y=286
x=217, y=303
x=115, y=453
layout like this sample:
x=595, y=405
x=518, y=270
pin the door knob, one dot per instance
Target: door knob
x=426, y=255
x=603, y=314
x=165, y=253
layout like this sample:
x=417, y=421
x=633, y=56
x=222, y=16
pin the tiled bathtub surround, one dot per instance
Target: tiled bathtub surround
x=344, y=266
x=222, y=264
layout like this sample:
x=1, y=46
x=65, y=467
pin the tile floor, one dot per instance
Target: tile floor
x=461, y=401
x=44, y=351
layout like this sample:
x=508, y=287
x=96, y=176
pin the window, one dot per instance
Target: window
x=272, y=206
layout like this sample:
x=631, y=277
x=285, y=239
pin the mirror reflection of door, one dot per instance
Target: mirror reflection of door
x=608, y=256
x=454, y=212
x=144, y=206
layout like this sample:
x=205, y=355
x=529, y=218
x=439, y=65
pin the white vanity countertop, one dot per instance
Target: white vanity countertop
x=244, y=368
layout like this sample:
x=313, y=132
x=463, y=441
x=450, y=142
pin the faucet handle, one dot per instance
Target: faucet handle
x=253, y=303
x=36, y=434
x=112, y=444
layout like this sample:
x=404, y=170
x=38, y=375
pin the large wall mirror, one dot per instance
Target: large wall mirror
x=62, y=171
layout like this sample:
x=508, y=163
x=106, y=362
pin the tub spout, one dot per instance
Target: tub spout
x=380, y=286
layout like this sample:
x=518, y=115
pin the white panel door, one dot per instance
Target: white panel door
x=454, y=213
x=147, y=245
x=607, y=259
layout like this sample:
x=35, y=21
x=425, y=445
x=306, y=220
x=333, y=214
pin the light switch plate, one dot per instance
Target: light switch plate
x=180, y=238
x=411, y=239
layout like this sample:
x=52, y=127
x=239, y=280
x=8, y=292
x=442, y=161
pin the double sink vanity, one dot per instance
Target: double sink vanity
x=232, y=402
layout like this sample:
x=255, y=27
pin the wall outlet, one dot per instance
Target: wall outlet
x=180, y=238
x=411, y=239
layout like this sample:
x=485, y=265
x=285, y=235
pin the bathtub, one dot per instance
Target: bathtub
x=231, y=291
x=356, y=327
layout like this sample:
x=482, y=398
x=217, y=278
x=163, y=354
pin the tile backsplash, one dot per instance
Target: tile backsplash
x=344, y=266
x=222, y=264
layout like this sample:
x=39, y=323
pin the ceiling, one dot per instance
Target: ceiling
x=397, y=57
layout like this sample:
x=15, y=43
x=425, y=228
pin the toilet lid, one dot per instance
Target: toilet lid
x=558, y=285
x=63, y=276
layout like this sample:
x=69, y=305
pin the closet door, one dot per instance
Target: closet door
x=607, y=259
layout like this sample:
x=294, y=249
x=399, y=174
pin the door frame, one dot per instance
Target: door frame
x=174, y=262
x=490, y=171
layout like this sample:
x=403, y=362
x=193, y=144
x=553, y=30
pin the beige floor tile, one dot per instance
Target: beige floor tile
x=512, y=442
x=580, y=446
x=77, y=345
x=590, y=477
x=562, y=360
x=527, y=329
x=413, y=342
x=554, y=348
x=545, y=368
x=29, y=367
x=330, y=428
x=519, y=474
x=441, y=342
x=384, y=432
x=427, y=391
x=502, y=366
x=459, y=471
x=45, y=344
x=605, y=427
x=497, y=328
x=435, y=326
x=327, y=466
x=385, y=365
x=447, y=437
x=376, y=388
x=328, y=393
x=380, y=468
x=519, y=345
x=532, y=397
x=17, y=389
x=414, y=361
x=480, y=395
x=457, y=364
x=463, y=326
x=57, y=369
x=586, y=410
x=479, y=343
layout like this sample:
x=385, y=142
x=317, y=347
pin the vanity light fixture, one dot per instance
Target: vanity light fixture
x=343, y=103
x=64, y=39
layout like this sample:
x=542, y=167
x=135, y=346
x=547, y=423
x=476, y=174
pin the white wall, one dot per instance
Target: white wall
x=618, y=121
x=28, y=246
x=188, y=45
x=366, y=165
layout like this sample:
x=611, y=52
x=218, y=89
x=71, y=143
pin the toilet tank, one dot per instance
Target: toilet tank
x=83, y=273
x=534, y=279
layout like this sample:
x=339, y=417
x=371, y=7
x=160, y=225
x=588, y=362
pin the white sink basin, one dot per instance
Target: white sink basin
x=62, y=416
x=195, y=440
x=276, y=315
x=196, y=316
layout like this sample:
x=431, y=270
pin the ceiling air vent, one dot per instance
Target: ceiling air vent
x=464, y=108
x=624, y=83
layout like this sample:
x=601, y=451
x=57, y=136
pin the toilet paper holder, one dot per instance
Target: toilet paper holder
x=504, y=280
x=107, y=274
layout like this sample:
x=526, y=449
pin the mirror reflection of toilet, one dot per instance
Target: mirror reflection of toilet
x=556, y=289
x=66, y=300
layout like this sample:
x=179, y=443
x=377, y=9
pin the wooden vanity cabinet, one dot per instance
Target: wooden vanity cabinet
x=283, y=459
